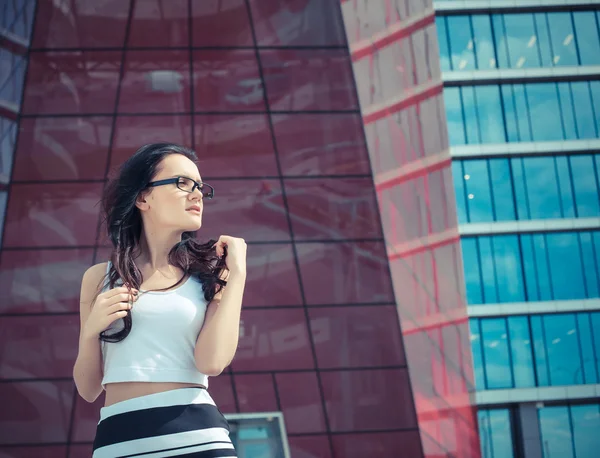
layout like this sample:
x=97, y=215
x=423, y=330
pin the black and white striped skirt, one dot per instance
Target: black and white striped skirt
x=182, y=422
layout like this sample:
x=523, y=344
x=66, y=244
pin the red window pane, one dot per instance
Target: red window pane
x=222, y=393
x=310, y=446
x=227, y=81
x=297, y=23
x=35, y=412
x=52, y=215
x=256, y=393
x=155, y=82
x=62, y=148
x=333, y=208
x=159, y=24
x=85, y=24
x=29, y=282
x=220, y=23
x=378, y=444
x=38, y=346
x=362, y=400
x=342, y=273
x=72, y=82
x=272, y=276
x=132, y=132
x=252, y=209
x=273, y=340
x=234, y=145
x=316, y=79
x=321, y=144
x=356, y=336
x=86, y=418
x=301, y=402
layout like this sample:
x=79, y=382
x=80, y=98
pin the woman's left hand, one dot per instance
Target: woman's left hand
x=236, y=253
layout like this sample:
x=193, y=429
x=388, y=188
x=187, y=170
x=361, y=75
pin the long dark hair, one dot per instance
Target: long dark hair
x=124, y=226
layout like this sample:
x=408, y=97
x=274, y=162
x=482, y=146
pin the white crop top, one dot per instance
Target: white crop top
x=160, y=346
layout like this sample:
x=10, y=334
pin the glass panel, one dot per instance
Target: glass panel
x=595, y=90
x=489, y=114
x=595, y=320
x=472, y=270
x=518, y=175
x=442, y=34
x=543, y=39
x=454, y=116
x=544, y=112
x=562, y=344
x=459, y=190
x=461, y=42
x=543, y=267
x=529, y=268
x=522, y=39
x=565, y=188
x=522, y=110
x=501, y=433
x=589, y=373
x=479, y=199
x=501, y=184
x=566, y=108
x=540, y=174
x=564, y=51
x=588, y=41
x=584, y=113
x=521, y=351
x=484, y=41
x=510, y=115
x=585, y=186
x=488, y=270
x=473, y=124
x=477, y=354
x=586, y=425
x=555, y=429
x=509, y=275
x=500, y=40
x=485, y=434
x=564, y=257
x=590, y=266
x=496, y=355
x=539, y=350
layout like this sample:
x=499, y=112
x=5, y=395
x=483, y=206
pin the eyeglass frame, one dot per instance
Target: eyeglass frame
x=175, y=181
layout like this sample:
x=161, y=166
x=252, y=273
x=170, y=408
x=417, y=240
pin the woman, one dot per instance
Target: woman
x=157, y=320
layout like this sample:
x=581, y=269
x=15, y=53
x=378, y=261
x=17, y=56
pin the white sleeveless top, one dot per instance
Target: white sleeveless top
x=160, y=346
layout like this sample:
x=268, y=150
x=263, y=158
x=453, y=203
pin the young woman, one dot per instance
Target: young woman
x=157, y=320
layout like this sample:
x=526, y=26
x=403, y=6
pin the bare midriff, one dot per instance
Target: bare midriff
x=117, y=392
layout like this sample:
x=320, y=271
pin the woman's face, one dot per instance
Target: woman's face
x=167, y=206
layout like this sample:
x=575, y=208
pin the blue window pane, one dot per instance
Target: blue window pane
x=585, y=186
x=525, y=126
x=563, y=40
x=566, y=108
x=500, y=40
x=544, y=112
x=529, y=268
x=495, y=353
x=564, y=355
x=477, y=354
x=540, y=174
x=595, y=320
x=459, y=190
x=477, y=186
x=488, y=270
x=442, y=32
x=521, y=351
x=454, y=116
x=485, y=434
x=472, y=122
x=495, y=433
x=539, y=350
x=484, y=41
x=518, y=174
x=588, y=41
x=461, y=42
x=543, y=267
x=589, y=373
x=522, y=40
x=555, y=429
x=590, y=266
x=565, y=187
x=472, y=270
x=566, y=265
x=489, y=113
x=595, y=90
x=584, y=113
x=564, y=256
x=543, y=39
x=510, y=115
x=509, y=274
x=504, y=199
x=586, y=425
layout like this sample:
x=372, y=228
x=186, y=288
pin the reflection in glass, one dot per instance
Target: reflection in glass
x=461, y=43
x=562, y=36
x=585, y=185
x=539, y=350
x=501, y=185
x=521, y=347
x=476, y=343
x=509, y=275
x=565, y=189
x=544, y=111
x=454, y=116
x=586, y=425
x=489, y=111
x=477, y=188
x=584, y=114
x=584, y=329
x=521, y=37
x=472, y=270
x=495, y=352
x=555, y=431
x=495, y=433
x=562, y=346
x=484, y=41
x=471, y=118
x=565, y=262
x=540, y=174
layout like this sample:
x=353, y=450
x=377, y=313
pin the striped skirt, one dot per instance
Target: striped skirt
x=183, y=422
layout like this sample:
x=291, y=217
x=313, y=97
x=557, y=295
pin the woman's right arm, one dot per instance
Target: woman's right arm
x=108, y=307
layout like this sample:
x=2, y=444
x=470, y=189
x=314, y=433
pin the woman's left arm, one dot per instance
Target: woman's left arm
x=218, y=339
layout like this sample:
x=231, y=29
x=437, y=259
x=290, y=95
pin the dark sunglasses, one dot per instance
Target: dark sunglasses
x=188, y=185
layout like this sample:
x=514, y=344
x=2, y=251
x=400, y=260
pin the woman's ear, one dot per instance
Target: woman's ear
x=141, y=202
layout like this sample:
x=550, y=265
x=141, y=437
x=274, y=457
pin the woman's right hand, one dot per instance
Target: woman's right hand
x=109, y=307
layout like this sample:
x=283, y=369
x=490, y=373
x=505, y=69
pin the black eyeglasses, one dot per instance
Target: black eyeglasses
x=188, y=185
